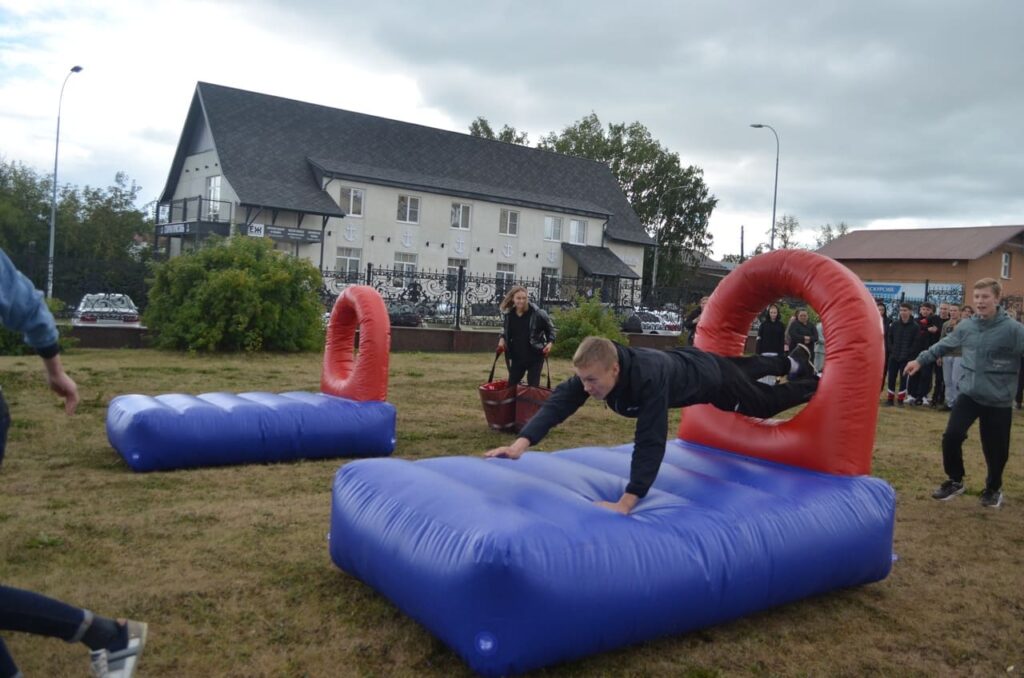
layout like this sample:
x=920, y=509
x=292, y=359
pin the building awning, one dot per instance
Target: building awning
x=599, y=261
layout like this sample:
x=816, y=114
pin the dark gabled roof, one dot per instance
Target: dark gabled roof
x=599, y=261
x=273, y=152
x=921, y=243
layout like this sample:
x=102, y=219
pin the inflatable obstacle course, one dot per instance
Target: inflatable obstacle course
x=512, y=565
x=349, y=418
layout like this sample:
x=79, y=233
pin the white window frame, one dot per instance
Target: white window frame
x=405, y=266
x=546, y=273
x=507, y=225
x=504, y=276
x=348, y=255
x=412, y=209
x=453, y=271
x=551, y=224
x=213, y=184
x=348, y=201
x=1005, y=270
x=578, y=231
x=461, y=213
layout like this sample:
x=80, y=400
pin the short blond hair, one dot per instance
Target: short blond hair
x=595, y=351
x=997, y=289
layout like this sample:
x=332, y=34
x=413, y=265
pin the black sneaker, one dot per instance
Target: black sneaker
x=948, y=490
x=991, y=498
x=889, y=403
x=801, y=355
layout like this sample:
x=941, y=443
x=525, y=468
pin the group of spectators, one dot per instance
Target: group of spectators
x=776, y=338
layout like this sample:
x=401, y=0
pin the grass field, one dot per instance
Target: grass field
x=230, y=565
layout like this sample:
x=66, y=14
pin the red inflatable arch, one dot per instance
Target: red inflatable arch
x=362, y=376
x=835, y=432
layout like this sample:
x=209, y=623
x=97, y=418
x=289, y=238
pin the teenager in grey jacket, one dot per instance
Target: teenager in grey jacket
x=991, y=344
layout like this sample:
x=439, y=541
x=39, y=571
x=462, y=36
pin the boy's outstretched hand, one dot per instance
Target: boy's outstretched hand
x=513, y=451
x=624, y=505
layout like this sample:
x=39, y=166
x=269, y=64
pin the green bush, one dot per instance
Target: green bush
x=13, y=343
x=588, y=318
x=238, y=295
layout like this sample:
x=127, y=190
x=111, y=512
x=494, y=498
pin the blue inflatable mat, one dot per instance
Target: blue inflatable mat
x=512, y=565
x=185, y=431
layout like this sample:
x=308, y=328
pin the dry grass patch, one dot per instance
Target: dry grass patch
x=230, y=565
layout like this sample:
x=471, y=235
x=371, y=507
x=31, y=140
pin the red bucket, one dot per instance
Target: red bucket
x=529, y=399
x=499, y=401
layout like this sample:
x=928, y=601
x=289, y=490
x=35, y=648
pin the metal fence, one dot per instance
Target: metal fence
x=73, y=278
x=456, y=297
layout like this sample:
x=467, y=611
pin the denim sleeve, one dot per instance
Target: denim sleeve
x=22, y=308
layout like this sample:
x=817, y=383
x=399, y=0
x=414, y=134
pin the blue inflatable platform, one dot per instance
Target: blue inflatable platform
x=512, y=565
x=176, y=430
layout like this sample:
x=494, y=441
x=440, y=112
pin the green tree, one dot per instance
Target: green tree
x=588, y=317
x=786, y=233
x=827, y=233
x=673, y=200
x=481, y=128
x=24, y=208
x=238, y=295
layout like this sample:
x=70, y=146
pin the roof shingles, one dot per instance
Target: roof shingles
x=271, y=149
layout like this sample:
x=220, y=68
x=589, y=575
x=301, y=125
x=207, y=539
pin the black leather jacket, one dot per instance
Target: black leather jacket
x=542, y=330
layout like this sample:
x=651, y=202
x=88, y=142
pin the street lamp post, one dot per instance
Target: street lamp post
x=775, y=194
x=53, y=199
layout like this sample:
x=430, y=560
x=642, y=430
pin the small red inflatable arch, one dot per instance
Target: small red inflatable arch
x=835, y=432
x=362, y=376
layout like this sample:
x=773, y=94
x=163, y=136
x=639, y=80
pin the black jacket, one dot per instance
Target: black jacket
x=650, y=382
x=901, y=341
x=771, y=337
x=542, y=330
x=797, y=331
x=926, y=339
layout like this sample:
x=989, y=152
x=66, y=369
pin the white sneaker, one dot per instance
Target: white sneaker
x=120, y=663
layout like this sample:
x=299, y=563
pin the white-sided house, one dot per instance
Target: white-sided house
x=345, y=189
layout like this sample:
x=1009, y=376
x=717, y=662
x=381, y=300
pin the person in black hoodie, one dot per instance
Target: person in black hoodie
x=901, y=346
x=644, y=383
x=526, y=336
x=771, y=335
x=927, y=335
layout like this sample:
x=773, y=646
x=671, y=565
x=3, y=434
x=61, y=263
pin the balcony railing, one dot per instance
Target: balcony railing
x=196, y=208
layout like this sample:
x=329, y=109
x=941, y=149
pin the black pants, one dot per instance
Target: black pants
x=5, y=423
x=30, y=612
x=921, y=383
x=939, y=394
x=1020, y=383
x=995, y=439
x=741, y=392
x=896, y=370
x=517, y=368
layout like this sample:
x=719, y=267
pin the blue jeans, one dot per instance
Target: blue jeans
x=30, y=612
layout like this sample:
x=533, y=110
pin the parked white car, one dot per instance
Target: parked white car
x=106, y=310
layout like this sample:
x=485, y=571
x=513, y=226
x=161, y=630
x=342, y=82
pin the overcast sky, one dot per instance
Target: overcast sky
x=889, y=114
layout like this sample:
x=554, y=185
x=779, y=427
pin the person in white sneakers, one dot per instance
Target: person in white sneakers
x=115, y=644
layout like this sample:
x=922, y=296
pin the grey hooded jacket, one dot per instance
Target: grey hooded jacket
x=991, y=357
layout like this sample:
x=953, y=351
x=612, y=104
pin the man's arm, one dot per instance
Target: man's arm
x=648, y=445
x=567, y=397
x=61, y=384
x=952, y=341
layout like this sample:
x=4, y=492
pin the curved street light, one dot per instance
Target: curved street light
x=775, y=194
x=53, y=200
